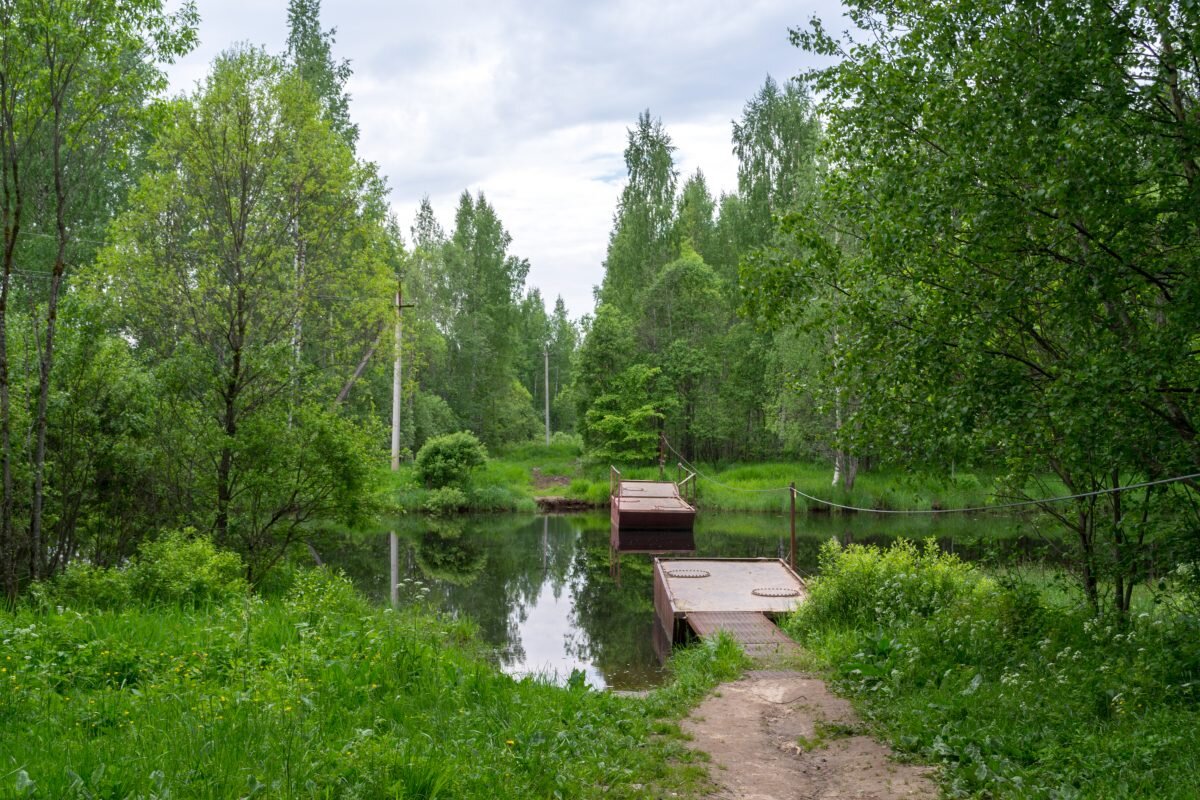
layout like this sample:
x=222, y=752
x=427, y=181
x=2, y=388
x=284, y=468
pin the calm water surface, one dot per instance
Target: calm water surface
x=549, y=597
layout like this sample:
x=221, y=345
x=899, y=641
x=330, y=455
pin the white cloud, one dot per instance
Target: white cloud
x=529, y=101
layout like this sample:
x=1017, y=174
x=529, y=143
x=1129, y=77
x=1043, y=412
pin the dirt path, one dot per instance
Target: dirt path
x=781, y=734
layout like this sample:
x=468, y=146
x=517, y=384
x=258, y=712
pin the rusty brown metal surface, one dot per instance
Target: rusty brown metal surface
x=664, y=608
x=710, y=594
x=648, y=489
x=747, y=627
x=660, y=541
x=651, y=505
x=731, y=585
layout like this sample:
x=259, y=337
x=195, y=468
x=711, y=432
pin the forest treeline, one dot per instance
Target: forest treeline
x=198, y=296
x=978, y=251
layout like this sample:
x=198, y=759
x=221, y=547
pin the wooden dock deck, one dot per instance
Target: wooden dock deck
x=737, y=595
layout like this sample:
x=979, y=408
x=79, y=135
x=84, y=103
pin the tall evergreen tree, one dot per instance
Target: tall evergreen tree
x=564, y=339
x=695, y=224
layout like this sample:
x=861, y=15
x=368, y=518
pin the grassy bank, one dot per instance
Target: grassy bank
x=314, y=693
x=1008, y=680
x=513, y=477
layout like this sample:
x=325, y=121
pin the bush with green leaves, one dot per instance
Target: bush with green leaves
x=868, y=586
x=186, y=568
x=85, y=585
x=445, y=500
x=1015, y=689
x=179, y=568
x=449, y=460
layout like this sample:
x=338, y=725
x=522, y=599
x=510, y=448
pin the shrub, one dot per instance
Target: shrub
x=86, y=585
x=445, y=500
x=497, y=498
x=865, y=586
x=567, y=441
x=320, y=595
x=449, y=460
x=185, y=568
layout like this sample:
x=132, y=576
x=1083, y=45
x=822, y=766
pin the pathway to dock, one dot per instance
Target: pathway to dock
x=781, y=735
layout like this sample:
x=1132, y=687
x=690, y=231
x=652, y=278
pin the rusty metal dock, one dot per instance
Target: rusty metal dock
x=743, y=596
x=648, y=505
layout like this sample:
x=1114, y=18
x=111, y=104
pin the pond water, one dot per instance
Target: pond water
x=549, y=597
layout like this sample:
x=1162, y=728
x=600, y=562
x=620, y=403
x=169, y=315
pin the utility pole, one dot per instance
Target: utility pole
x=398, y=373
x=397, y=384
x=546, y=389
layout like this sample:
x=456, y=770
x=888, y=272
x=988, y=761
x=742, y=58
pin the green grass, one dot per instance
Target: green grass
x=498, y=486
x=1007, y=679
x=316, y=694
x=507, y=483
x=763, y=488
x=826, y=732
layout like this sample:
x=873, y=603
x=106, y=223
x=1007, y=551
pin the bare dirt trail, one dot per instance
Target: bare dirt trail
x=779, y=735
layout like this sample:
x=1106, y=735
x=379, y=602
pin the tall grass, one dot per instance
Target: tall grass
x=1009, y=682
x=314, y=694
x=508, y=483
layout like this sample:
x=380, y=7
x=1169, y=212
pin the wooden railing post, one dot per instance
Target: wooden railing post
x=792, y=552
x=662, y=456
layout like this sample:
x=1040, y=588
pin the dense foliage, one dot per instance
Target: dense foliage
x=1010, y=237
x=1011, y=682
x=448, y=460
x=479, y=347
x=667, y=349
x=196, y=297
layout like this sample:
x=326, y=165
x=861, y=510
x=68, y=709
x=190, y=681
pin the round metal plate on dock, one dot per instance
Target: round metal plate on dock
x=688, y=573
x=776, y=591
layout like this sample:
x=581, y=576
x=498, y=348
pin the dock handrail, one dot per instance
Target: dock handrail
x=614, y=481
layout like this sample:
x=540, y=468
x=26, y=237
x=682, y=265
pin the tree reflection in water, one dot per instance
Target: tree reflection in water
x=540, y=590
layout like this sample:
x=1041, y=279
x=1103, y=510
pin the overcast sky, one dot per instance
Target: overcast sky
x=530, y=101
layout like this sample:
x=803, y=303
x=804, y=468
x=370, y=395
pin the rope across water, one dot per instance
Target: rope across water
x=973, y=509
